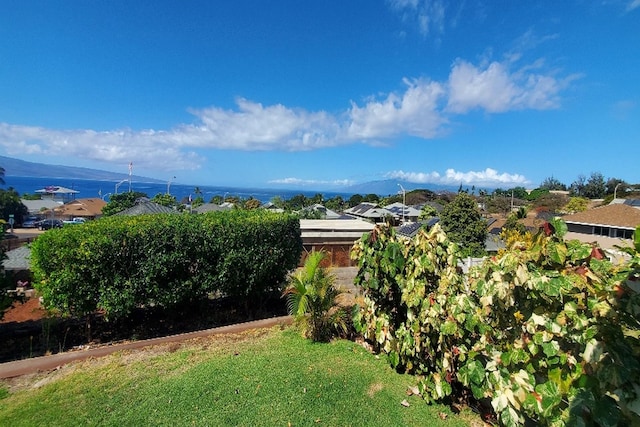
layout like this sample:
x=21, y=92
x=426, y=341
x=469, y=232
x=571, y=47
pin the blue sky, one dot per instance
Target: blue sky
x=325, y=94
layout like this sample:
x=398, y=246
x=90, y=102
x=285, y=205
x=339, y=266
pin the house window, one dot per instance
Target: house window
x=603, y=231
x=625, y=234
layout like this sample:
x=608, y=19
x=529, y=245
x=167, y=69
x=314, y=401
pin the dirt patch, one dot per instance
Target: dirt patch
x=29, y=310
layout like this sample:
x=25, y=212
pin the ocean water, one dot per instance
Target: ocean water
x=96, y=188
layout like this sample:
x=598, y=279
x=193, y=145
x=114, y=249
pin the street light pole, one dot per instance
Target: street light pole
x=404, y=201
x=119, y=184
x=169, y=185
x=615, y=190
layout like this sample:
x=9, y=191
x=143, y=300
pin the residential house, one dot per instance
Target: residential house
x=90, y=208
x=322, y=212
x=371, y=212
x=57, y=193
x=410, y=229
x=146, y=208
x=213, y=207
x=271, y=207
x=608, y=225
x=405, y=213
x=334, y=236
x=37, y=207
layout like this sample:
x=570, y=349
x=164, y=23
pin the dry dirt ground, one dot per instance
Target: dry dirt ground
x=24, y=311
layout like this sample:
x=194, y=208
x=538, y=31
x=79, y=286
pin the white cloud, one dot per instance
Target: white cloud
x=633, y=5
x=495, y=89
x=415, y=113
x=311, y=182
x=152, y=149
x=487, y=177
x=422, y=109
x=255, y=127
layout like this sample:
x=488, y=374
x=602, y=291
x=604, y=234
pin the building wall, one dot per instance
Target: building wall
x=338, y=253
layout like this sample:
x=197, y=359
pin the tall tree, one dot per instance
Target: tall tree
x=165, y=199
x=355, y=200
x=297, y=202
x=577, y=186
x=2, y=171
x=121, y=201
x=552, y=184
x=278, y=202
x=595, y=186
x=371, y=198
x=463, y=223
x=10, y=204
x=335, y=203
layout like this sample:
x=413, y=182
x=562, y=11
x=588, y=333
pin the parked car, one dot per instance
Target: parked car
x=76, y=220
x=30, y=222
x=47, y=224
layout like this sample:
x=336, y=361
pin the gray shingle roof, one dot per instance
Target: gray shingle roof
x=17, y=259
x=146, y=208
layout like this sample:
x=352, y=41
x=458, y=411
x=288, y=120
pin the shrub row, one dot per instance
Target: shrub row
x=119, y=263
x=547, y=331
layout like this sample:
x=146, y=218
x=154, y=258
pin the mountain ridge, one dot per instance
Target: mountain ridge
x=23, y=168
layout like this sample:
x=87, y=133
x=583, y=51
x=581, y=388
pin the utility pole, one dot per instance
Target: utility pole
x=404, y=201
x=169, y=185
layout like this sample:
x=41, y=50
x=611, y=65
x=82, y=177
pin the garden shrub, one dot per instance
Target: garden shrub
x=312, y=299
x=547, y=330
x=119, y=263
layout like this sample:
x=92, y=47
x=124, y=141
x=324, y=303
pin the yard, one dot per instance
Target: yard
x=269, y=377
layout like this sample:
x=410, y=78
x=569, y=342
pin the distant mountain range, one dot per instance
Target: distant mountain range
x=392, y=186
x=22, y=168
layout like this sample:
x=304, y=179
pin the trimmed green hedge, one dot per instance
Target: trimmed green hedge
x=119, y=263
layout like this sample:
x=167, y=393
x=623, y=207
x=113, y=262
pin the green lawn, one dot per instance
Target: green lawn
x=260, y=378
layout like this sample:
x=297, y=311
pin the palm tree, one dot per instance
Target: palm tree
x=2, y=176
x=311, y=299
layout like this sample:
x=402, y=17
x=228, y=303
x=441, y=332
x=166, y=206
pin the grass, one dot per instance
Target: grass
x=259, y=378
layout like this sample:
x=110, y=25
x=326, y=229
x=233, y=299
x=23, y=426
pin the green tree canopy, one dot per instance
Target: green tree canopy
x=576, y=204
x=552, y=184
x=595, y=186
x=121, y=201
x=165, y=200
x=335, y=204
x=355, y=200
x=10, y=204
x=428, y=211
x=463, y=223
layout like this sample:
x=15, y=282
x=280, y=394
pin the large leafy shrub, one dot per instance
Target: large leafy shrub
x=118, y=263
x=547, y=330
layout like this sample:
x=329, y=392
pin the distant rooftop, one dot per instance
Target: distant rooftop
x=54, y=189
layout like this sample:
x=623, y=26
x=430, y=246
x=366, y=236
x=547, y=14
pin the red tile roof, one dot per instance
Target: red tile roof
x=91, y=207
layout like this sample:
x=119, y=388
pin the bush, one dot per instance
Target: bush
x=312, y=300
x=547, y=330
x=119, y=263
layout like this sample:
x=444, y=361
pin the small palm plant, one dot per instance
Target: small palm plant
x=311, y=299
